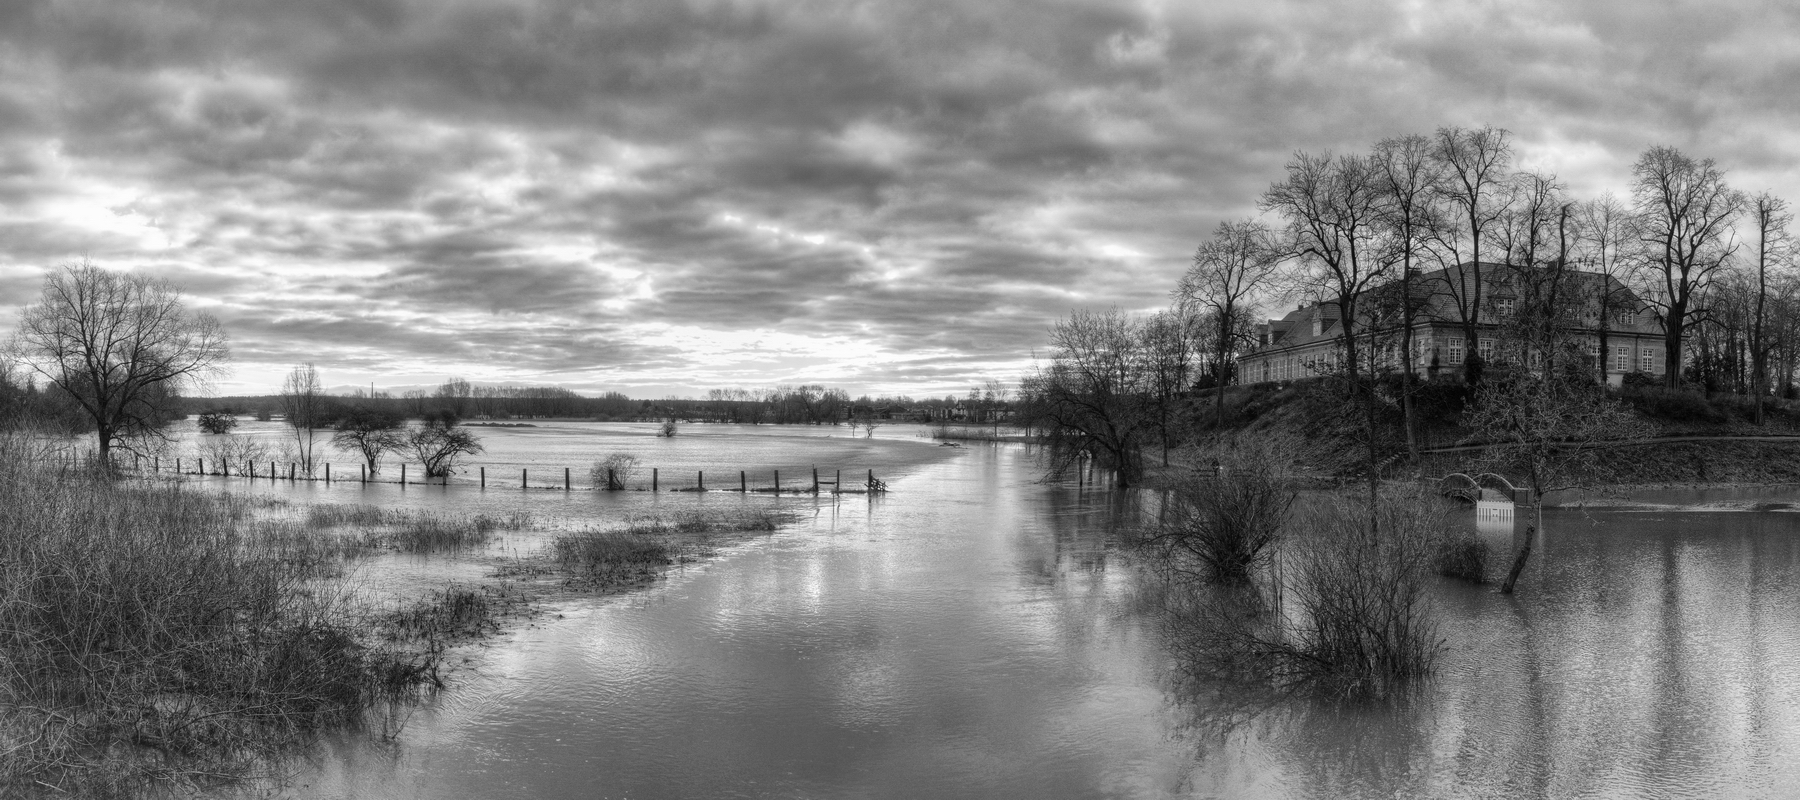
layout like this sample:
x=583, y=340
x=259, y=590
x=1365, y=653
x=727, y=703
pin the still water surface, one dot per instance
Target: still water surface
x=973, y=634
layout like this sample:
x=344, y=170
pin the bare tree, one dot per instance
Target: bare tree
x=1475, y=183
x=1410, y=178
x=1769, y=220
x=996, y=392
x=1685, y=211
x=1605, y=232
x=438, y=441
x=119, y=345
x=1166, y=360
x=301, y=404
x=1237, y=261
x=369, y=432
x=1091, y=397
x=1333, y=208
x=1546, y=427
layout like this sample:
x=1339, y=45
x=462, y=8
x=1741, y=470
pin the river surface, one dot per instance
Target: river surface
x=973, y=634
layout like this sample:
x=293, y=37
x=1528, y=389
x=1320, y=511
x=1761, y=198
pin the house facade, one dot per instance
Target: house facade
x=1308, y=341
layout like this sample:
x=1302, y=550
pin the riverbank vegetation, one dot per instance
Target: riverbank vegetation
x=158, y=638
x=639, y=549
x=1557, y=291
x=165, y=640
x=1319, y=594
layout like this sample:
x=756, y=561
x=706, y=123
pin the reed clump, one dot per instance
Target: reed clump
x=647, y=543
x=412, y=531
x=155, y=639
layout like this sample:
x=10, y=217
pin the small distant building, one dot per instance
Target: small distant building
x=1308, y=341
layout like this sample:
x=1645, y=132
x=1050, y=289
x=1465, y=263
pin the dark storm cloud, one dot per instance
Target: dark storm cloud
x=525, y=188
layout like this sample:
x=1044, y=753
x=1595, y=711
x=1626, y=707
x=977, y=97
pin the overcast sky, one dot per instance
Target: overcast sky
x=665, y=197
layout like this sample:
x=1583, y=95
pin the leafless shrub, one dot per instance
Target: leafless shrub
x=239, y=453
x=1223, y=521
x=614, y=471
x=1340, y=611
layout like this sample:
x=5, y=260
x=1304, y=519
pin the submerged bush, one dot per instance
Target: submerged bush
x=614, y=471
x=1354, y=598
x=1224, y=527
x=1341, y=610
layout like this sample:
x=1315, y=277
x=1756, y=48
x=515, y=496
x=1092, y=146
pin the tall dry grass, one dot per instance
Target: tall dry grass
x=649, y=542
x=153, y=638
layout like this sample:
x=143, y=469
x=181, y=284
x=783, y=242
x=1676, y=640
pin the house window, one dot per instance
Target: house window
x=1503, y=306
x=1486, y=348
x=1455, y=344
x=1626, y=317
x=1647, y=361
x=1621, y=359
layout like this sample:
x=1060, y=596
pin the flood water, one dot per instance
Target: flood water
x=972, y=634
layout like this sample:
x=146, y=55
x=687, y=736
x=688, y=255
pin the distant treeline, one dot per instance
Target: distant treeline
x=805, y=404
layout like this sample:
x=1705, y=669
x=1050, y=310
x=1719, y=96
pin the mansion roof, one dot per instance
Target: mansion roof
x=1435, y=303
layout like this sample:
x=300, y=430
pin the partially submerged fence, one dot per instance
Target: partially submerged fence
x=819, y=483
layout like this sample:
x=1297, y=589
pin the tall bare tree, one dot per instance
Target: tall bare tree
x=1769, y=219
x=1237, y=261
x=1476, y=184
x=302, y=404
x=119, y=345
x=1410, y=177
x=1091, y=397
x=1685, y=213
x=1605, y=231
x=1333, y=207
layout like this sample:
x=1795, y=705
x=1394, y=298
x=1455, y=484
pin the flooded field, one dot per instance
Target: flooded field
x=973, y=634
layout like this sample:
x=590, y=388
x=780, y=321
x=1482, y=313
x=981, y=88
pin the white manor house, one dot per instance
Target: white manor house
x=1308, y=341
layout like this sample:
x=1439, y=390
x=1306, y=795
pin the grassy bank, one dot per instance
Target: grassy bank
x=1314, y=411
x=159, y=639
x=163, y=641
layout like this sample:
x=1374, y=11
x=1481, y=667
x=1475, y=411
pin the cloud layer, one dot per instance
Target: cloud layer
x=668, y=196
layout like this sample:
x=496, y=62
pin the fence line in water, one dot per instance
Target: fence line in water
x=819, y=484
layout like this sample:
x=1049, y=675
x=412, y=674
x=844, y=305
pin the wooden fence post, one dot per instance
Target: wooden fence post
x=362, y=473
x=837, y=485
x=328, y=472
x=225, y=467
x=201, y=468
x=293, y=471
x=177, y=465
x=565, y=479
x=743, y=482
x=778, y=482
x=702, y=480
x=653, y=479
x=402, y=473
x=611, y=482
x=484, y=477
x=524, y=478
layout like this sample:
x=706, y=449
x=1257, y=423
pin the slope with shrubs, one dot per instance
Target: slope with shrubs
x=1317, y=412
